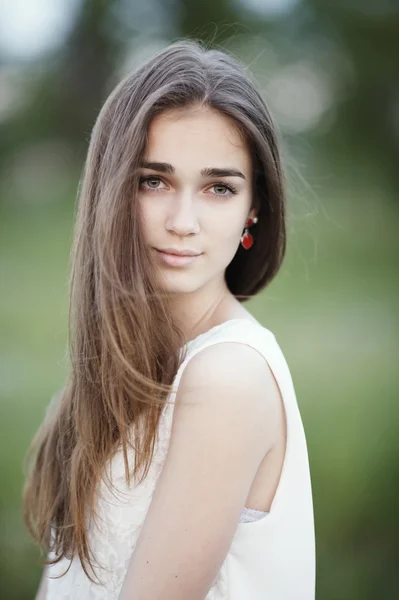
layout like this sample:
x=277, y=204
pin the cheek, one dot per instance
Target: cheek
x=228, y=232
x=226, y=242
x=150, y=220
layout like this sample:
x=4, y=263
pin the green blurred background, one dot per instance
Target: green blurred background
x=330, y=73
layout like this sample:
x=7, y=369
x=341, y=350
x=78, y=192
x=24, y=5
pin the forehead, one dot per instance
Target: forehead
x=197, y=138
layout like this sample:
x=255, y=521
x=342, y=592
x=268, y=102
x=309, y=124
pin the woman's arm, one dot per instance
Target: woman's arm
x=225, y=421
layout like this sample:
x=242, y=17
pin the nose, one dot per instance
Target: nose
x=182, y=219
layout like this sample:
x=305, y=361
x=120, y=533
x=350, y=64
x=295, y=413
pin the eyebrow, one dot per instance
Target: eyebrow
x=167, y=168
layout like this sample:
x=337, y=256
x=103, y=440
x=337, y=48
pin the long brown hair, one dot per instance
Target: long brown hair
x=124, y=347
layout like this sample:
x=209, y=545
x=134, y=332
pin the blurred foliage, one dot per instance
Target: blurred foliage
x=330, y=73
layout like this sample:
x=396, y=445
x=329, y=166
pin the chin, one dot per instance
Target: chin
x=172, y=285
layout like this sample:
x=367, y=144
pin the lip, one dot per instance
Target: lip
x=176, y=260
x=185, y=252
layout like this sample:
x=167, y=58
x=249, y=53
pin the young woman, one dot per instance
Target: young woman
x=174, y=464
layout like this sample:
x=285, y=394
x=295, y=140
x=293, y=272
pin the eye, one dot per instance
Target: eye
x=229, y=188
x=151, y=179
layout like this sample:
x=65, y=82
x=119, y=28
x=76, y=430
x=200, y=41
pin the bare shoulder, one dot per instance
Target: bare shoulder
x=233, y=375
x=229, y=363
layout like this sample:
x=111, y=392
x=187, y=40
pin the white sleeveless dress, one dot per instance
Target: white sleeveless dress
x=272, y=555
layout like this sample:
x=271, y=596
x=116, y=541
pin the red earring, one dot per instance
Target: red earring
x=246, y=239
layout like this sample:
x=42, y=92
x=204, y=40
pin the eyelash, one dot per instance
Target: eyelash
x=229, y=187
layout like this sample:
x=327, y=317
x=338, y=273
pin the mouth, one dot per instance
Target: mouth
x=176, y=260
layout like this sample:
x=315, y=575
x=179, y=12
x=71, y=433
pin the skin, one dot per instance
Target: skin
x=186, y=210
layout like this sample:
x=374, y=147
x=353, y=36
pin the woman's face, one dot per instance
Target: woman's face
x=186, y=208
